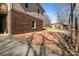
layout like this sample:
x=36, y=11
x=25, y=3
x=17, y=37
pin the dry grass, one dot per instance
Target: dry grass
x=56, y=30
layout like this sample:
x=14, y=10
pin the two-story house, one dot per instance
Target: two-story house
x=16, y=18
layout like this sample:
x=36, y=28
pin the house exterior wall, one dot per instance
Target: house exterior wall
x=22, y=23
x=31, y=10
x=19, y=18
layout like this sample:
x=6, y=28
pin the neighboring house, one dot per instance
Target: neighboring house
x=19, y=18
x=56, y=26
x=59, y=26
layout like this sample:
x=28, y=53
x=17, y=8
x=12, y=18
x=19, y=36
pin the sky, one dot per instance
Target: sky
x=52, y=8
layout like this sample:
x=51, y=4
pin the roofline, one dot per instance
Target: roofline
x=40, y=7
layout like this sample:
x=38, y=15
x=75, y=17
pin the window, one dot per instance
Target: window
x=33, y=25
x=26, y=5
x=42, y=13
x=38, y=11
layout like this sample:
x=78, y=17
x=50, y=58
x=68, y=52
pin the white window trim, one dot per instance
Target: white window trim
x=34, y=25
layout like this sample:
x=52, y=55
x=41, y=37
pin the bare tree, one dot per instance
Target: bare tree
x=63, y=14
x=47, y=20
x=71, y=45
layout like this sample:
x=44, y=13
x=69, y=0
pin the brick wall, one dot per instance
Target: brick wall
x=22, y=23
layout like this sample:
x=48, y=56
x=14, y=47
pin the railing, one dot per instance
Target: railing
x=3, y=8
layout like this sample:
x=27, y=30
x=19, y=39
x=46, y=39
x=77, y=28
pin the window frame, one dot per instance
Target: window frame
x=26, y=5
x=38, y=10
x=33, y=24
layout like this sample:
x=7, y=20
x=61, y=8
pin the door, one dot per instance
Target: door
x=2, y=23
